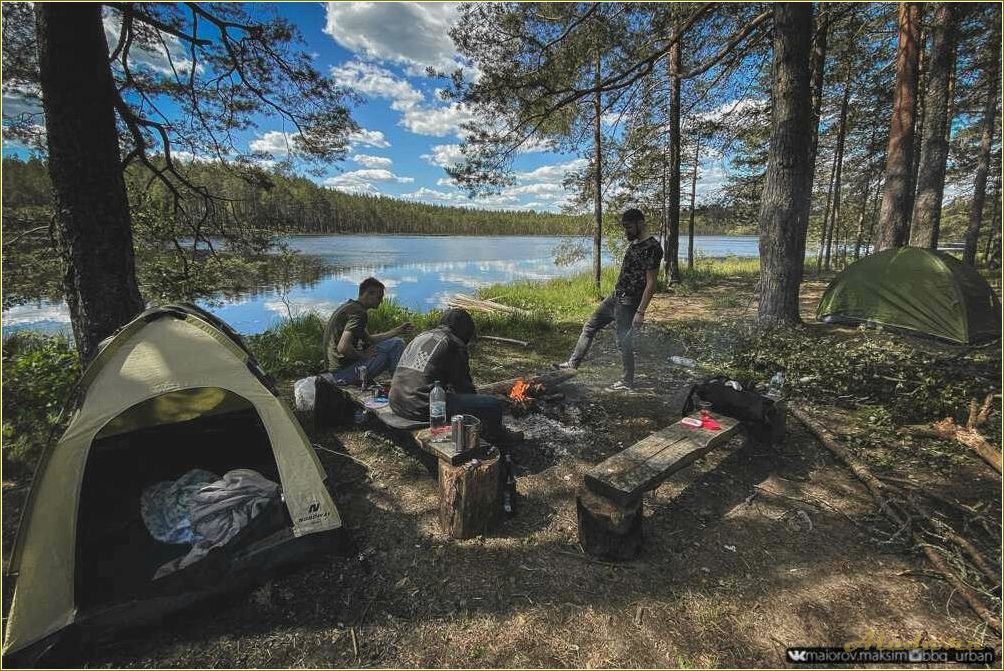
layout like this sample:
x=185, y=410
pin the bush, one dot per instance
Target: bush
x=39, y=372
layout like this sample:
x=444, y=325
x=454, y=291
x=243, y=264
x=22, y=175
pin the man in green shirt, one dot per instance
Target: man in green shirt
x=348, y=345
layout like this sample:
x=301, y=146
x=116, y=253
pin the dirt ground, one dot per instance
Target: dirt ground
x=747, y=552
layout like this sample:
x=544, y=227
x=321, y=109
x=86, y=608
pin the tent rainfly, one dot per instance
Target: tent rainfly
x=174, y=390
x=917, y=291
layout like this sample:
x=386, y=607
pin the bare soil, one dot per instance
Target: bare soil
x=747, y=552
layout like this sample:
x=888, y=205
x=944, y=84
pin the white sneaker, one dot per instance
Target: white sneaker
x=620, y=385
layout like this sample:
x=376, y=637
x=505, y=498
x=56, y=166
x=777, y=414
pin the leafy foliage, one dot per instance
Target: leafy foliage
x=38, y=374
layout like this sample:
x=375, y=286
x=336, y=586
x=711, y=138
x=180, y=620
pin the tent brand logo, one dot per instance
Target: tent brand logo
x=313, y=513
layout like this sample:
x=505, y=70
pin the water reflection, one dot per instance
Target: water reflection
x=420, y=272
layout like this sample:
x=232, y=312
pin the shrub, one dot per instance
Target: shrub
x=39, y=373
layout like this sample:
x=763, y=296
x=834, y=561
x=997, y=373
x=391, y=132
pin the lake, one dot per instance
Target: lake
x=420, y=273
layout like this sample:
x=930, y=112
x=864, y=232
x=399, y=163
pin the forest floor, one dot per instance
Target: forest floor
x=747, y=552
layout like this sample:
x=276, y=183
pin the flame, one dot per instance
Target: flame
x=519, y=391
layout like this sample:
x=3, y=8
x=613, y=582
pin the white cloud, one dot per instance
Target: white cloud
x=373, y=80
x=427, y=194
x=17, y=103
x=274, y=142
x=362, y=181
x=552, y=173
x=369, y=138
x=444, y=155
x=415, y=34
x=446, y=181
x=372, y=161
x=436, y=121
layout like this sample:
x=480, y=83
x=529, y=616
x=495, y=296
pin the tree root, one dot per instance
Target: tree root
x=877, y=490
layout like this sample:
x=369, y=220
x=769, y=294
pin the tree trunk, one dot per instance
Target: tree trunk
x=839, y=160
x=926, y=222
x=598, y=182
x=897, y=197
x=826, y=216
x=672, y=250
x=693, y=200
x=784, y=210
x=818, y=69
x=861, y=217
x=992, y=71
x=91, y=205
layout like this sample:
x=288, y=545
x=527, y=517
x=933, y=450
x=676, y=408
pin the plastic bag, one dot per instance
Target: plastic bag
x=304, y=394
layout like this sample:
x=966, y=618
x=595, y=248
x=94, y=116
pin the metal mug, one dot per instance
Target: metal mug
x=466, y=432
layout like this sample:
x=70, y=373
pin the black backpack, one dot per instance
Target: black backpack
x=763, y=420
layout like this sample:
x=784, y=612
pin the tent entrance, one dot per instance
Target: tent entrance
x=116, y=555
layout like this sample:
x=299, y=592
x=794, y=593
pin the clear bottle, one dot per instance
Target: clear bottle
x=775, y=388
x=437, y=406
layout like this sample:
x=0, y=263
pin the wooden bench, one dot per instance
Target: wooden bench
x=608, y=506
x=470, y=482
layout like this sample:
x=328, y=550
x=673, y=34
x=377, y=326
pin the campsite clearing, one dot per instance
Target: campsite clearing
x=751, y=551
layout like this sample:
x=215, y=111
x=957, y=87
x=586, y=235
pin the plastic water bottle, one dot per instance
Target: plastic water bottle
x=776, y=386
x=682, y=361
x=437, y=406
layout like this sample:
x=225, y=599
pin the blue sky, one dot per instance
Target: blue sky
x=381, y=51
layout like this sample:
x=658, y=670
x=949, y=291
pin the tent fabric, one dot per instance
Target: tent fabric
x=163, y=351
x=918, y=290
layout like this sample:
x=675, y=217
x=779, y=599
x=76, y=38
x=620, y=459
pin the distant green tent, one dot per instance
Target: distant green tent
x=915, y=290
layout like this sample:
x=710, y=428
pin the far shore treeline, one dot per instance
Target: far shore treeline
x=275, y=201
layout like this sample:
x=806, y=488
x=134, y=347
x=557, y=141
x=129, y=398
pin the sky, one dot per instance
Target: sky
x=408, y=134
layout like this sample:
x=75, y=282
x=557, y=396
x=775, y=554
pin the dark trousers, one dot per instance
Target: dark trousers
x=610, y=310
x=486, y=408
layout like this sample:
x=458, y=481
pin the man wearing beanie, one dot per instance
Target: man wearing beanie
x=441, y=354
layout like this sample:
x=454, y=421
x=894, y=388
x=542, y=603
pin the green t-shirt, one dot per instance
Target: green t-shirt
x=351, y=316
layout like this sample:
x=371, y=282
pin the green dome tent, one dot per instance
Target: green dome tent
x=915, y=290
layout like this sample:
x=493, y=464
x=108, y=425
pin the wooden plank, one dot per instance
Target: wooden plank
x=441, y=447
x=647, y=463
x=384, y=414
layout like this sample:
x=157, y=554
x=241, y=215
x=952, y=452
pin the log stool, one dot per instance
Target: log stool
x=470, y=486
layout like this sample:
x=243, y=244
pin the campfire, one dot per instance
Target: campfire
x=524, y=393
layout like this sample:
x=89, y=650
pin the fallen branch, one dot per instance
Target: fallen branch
x=968, y=435
x=875, y=487
x=466, y=302
x=512, y=341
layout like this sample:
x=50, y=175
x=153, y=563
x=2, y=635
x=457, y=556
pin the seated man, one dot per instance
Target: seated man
x=347, y=344
x=441, y=354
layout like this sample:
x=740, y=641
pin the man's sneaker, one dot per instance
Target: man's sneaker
x=564, y=365
x=620, y=385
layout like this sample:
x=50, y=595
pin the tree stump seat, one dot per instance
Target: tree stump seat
x=470, y=482
x=609, y=502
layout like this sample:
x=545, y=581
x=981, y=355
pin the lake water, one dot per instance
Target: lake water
x=420, y=273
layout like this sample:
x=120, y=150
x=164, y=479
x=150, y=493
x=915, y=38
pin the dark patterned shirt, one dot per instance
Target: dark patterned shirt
x=641, y=256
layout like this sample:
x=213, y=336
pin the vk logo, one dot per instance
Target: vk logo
x=798, y=655
x=313, y=507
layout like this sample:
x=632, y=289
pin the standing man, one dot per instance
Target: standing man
x=348, y=345
x=627, y=304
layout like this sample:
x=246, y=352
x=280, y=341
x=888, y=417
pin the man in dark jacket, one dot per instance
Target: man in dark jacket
x=627, y=304
x=441, y=354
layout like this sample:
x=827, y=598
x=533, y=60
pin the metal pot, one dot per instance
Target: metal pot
x=466, y=432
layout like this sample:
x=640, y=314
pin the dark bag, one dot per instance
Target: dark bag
x=760, y=416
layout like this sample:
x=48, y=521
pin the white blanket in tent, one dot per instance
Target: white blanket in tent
x=219, y=510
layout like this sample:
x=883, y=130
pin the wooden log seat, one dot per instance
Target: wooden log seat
x=609, y=502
